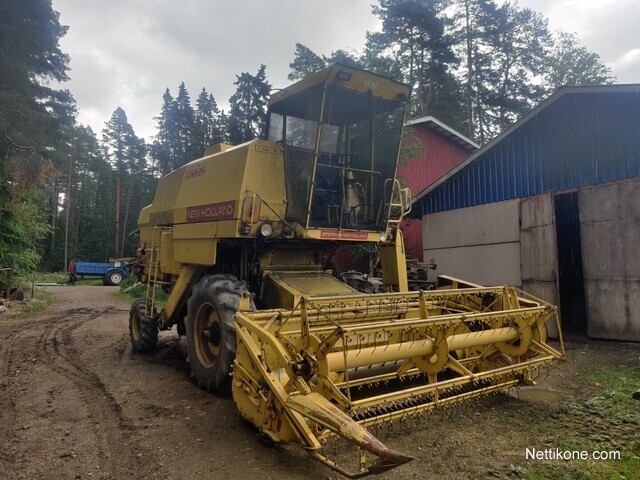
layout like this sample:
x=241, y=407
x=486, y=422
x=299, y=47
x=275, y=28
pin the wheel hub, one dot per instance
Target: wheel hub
x=213, y=334
x=207, y=335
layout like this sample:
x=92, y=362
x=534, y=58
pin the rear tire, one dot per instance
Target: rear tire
x=143, y=330
x=113, y=278
x=211, y=333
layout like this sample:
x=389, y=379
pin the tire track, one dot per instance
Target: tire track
x=12, y=354
x=50, y=342
x=12, y=336
x=115, y=444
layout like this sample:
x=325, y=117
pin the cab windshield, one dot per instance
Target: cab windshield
x=339, y=171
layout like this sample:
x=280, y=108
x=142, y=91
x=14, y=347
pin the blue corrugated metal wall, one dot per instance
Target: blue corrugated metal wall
x=580, y=139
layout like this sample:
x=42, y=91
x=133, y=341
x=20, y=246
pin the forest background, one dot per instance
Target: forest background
x=67, y=192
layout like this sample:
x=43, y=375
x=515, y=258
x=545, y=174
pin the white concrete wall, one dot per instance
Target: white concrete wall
x=480, y=244
x=514, y=243
x=505, y=243
x=610, y=232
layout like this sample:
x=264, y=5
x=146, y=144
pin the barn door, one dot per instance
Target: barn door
x=570, y=275
x=538, y=250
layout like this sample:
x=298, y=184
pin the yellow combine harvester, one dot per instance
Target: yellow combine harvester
x=241, y=238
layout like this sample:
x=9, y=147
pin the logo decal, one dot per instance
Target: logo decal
x=343, y=235
x=211, y=212
x=266, y=149
x=196, y=172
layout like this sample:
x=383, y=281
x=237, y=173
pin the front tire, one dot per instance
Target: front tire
x=211, y=334
x=143, y=330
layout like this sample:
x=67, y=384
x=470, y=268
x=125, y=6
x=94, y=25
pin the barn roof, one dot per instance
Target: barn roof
x=445, y=130
x=578, y=136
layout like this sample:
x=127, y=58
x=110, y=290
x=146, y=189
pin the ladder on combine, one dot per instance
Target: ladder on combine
x=402, y=203
x=152, y=268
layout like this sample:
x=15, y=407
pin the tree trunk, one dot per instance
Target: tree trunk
x=78, y=214
x=66, y=222
x=117, y=238
x=54, y=217
x=479, y=105
x=470, y=126
x=429, y=98
x=126, y=218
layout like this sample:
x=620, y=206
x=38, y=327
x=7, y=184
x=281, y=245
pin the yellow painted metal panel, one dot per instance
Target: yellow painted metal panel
x=217, y=148
x=196, y=251
x=212, y=181
x=284, y=289
x=167, y=257
x=313, y=284
x=265, y=176
x=358, y=80
x=195, y=230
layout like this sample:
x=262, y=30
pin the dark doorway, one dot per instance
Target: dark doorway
x=572, y=302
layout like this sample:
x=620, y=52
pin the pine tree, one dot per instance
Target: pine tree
x=415, y=32
x=85, y=220
x=209, y=129
x=248, y=112
x=471, y=19
x=379, y=58
x=162, y=149
x=305, y=62
x=125, y=151
x=516, y=45
x=184, y=148
x=35, y=120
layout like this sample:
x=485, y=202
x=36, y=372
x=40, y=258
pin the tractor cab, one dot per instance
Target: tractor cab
x=340, y=130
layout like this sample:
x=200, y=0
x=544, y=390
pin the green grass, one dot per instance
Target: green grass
x=139, y=292
x=56, y=277
x=24, y=281
x=41, y=301
x=607, y=420
x=49, y=277
x=89, y=281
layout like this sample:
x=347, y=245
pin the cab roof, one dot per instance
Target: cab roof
x=349, y=78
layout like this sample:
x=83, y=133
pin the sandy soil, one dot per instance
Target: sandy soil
x=75, y=402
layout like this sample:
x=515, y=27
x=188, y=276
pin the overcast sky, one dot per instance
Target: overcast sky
x=126, y=52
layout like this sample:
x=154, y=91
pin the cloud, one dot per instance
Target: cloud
x=606, y=27
x=627, y=66
x=126, y=53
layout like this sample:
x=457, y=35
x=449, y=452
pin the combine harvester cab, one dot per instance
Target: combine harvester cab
x=241, y=240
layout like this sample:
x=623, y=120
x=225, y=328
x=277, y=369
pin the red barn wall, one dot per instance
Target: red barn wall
x=439, y=156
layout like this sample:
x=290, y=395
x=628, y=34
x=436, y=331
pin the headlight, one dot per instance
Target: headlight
x=266, y=230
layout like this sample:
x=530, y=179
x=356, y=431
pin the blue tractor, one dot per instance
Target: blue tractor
x=111, y=273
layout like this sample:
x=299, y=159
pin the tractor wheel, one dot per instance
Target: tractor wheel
x=114, y=278
x=143, y=330
x=211, y=334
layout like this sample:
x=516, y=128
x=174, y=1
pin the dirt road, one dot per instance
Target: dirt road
x=75, y=402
